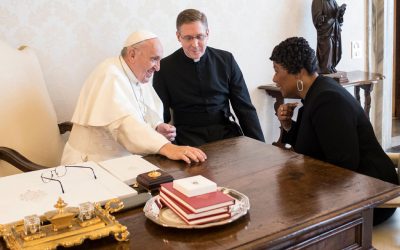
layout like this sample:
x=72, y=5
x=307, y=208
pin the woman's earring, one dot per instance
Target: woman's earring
x=300, y=85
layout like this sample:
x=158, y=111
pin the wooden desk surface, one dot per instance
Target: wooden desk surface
x=293, y=199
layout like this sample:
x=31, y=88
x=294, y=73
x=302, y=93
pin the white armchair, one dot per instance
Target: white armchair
x=28, y=124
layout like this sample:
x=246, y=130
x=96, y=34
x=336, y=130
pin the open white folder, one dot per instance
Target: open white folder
x=127, y=168
x=26, y=194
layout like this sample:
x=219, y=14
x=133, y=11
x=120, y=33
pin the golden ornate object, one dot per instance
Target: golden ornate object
x=62, y=217
x=64, y=227
x=154, y=174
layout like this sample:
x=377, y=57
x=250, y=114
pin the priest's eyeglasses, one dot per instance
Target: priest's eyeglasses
x=199, y=37
x=60, y=171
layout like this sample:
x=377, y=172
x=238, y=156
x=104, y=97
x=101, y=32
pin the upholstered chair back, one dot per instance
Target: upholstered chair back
x=28, y=121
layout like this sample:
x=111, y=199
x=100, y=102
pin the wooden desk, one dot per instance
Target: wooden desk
x=296, y=201
x=357, y=79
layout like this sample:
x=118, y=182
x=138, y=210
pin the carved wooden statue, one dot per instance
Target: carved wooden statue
x=328, y=18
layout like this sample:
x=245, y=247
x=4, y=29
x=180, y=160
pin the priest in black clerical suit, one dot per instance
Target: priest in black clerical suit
x=197, y=83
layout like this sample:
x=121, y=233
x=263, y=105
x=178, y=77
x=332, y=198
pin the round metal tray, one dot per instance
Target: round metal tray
x=165, y=217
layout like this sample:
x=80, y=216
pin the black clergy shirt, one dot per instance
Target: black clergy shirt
x=204, y=89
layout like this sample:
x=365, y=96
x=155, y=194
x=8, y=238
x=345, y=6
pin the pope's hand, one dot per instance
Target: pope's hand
x=167, y=130
x=185, y=153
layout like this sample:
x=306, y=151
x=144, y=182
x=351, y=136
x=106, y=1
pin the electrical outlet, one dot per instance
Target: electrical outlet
x=356, y=49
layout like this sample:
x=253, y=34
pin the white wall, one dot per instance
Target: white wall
x=72, y=37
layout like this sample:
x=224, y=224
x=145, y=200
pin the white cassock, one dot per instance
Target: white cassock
x=115, y=116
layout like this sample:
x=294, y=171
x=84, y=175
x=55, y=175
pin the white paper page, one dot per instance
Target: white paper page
x=128, y=168
x=25, y=194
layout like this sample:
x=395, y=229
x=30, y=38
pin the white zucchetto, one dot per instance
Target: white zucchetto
x=139, y=36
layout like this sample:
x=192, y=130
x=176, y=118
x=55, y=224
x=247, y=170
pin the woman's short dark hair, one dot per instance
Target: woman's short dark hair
x=294, y=54
x=190, y=16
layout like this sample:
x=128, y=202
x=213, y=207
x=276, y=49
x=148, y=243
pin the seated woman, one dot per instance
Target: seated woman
x=331, y=126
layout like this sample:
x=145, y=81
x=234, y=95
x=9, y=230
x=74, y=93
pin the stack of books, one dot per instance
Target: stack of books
x=196, y=200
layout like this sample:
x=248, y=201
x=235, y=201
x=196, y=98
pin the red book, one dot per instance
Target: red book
x=189, y=215
x=198, y=203
x=198, y=221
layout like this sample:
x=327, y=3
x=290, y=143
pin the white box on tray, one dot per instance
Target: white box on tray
x=195, y=185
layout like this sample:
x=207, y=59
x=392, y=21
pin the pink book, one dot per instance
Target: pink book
x=198, y=203
x=201, y=220
x=189, y=215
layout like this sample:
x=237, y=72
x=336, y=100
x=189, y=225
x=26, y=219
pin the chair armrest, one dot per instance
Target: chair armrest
x=65, y=127
x=396, y=201
x=391, y=204
x=17, y=160
x=394, y=157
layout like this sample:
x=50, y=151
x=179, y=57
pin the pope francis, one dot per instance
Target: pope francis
x=119, y=114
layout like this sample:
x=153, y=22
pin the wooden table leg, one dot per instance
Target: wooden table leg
x=357, y=93
x=367, y=96
x=278, y=102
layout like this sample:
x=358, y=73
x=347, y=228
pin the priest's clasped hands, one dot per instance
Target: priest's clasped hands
x=167, y=130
